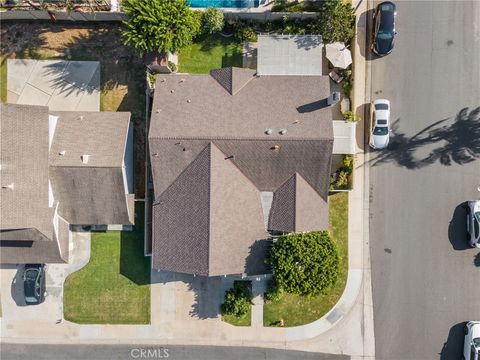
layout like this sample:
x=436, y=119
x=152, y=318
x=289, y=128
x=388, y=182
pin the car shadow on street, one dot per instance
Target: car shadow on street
x=17, y=287
x=453, y=347
x=457, y=228
x=476, y=260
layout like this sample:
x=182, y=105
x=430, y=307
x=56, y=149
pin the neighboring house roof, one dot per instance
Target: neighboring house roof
x=289, y=55
x=211, y=158
x=45, y=184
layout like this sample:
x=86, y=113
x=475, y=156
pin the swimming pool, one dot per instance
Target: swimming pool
x=223, y=3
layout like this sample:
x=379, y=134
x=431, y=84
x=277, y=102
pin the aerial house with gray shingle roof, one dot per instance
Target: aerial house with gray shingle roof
x=57, y=169
x=236, y=157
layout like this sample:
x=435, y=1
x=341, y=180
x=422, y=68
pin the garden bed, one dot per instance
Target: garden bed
x=242, y=286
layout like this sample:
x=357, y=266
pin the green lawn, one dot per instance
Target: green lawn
x=298, y=310
x=239, y=321
x=210, y=52
x=113, y=288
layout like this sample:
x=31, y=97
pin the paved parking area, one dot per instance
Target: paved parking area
x=14, y=309
x=61, y=85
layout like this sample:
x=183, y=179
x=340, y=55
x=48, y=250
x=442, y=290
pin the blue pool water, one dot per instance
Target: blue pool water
x=223, y=3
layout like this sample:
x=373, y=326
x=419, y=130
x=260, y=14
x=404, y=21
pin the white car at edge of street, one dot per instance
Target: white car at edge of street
x=473, y=223
x=380, y=124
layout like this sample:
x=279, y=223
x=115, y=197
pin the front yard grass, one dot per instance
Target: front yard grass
x=210, y=52
x=113, y=288
x=297, y=310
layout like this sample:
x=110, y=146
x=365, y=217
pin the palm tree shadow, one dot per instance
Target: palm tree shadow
x=458, y=143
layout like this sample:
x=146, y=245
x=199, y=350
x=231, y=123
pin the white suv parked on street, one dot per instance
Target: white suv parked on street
x=471, y=346
x=380, y=124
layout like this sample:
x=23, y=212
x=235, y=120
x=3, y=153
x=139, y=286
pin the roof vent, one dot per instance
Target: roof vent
x=268, y=131
x=85, y=158
x=283, y=131
x=296, y=121
x=276, y=147
x=80, y=117
x=230, y=157
x=172, y=91
x=157, y=111
x=9, y=186
x=163, y=80
x=189, y=101
x=182, y=80
x=61, y=153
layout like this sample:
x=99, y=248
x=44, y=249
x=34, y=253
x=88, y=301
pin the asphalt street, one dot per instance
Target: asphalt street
x=132, y=352
x=426, y=281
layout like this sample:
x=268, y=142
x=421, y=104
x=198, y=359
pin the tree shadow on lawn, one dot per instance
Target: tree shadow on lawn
x=133, y=263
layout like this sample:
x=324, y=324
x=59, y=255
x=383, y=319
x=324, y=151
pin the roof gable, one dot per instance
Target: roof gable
x=232, y=79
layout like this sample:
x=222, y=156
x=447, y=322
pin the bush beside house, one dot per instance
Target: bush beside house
x=305, y=263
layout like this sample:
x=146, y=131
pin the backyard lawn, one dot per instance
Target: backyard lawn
x=113, y=288
x=298, y=310
x=210, y=52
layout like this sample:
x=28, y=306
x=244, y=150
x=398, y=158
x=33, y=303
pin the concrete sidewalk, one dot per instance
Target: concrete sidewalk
x=346, y=329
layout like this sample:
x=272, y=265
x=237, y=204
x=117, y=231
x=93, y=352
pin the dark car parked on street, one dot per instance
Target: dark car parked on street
x=384, y=28
x=34, y=283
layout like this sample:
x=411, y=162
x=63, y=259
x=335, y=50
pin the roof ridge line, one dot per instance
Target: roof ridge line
x=266, y=137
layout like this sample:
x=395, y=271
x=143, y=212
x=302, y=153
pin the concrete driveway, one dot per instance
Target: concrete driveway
x=60, y=85
x=16, y=312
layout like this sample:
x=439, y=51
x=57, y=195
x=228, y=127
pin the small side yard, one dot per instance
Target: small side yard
x=297, y=310
x=210, y=52
x=113, y=288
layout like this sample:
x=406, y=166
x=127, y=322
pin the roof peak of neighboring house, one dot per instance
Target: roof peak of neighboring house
x=233, y=79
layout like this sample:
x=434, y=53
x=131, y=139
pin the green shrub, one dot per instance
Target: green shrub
x=348, y=163
x=342, y=180
x=238, y=299
x=336, y=21
x=172, y=66
x=274, y=292
x=349, y=116
x=158, y=25
x=212, y=21
x=305, y=263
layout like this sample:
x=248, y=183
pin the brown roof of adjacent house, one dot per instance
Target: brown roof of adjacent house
x=44, y=174
x=211, y=157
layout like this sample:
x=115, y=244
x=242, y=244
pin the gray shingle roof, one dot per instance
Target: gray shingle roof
x=195, y=219
x=91, y=193
x=297, y=207
x=294, y=103
x=192, y=114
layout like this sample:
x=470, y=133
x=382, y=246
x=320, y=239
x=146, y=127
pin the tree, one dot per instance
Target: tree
x=159, y=25
x=336, y=21
x=212, y=21
x=305, y=263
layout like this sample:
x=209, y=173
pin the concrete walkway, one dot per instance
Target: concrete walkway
x=60, y=85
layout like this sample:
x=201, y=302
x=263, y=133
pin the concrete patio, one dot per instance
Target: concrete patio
x=60, y=85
